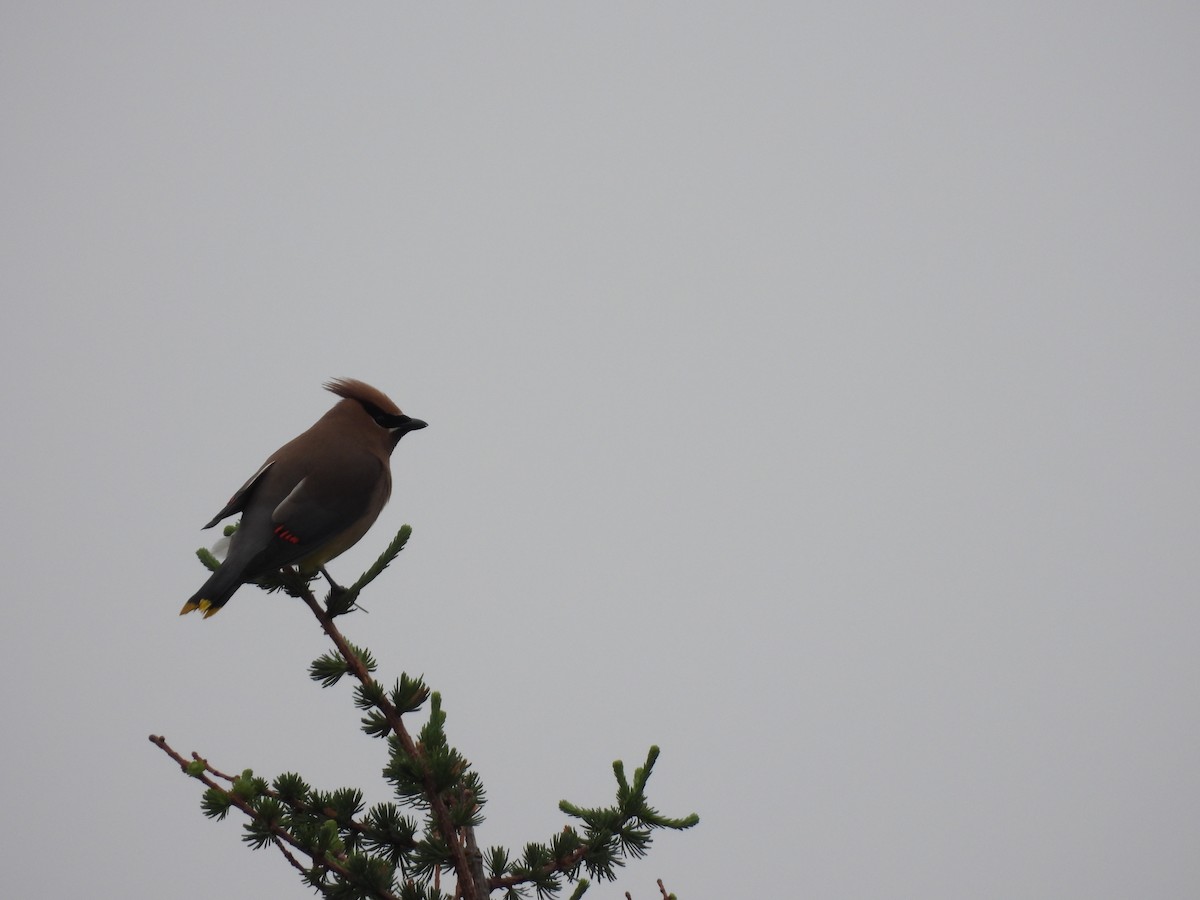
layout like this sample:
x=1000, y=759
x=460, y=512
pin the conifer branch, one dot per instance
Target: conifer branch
x=355, y=855
x=609, y=834
x=441, y=815
x=340, y=602
x=280, y=837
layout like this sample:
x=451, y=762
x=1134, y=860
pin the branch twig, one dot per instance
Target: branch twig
x=281, y=838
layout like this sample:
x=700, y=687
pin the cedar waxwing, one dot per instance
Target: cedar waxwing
x=314, y=497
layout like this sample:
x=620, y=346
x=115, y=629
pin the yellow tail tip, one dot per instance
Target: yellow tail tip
x=205, y=606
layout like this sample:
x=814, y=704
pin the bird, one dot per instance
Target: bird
x=314, y=497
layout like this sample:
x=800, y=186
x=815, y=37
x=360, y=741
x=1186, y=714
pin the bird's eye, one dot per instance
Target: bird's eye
x=381, y=418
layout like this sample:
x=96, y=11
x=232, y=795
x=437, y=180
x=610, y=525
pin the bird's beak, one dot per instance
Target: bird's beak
x=401, y=425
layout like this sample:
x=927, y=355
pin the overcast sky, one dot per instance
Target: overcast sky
x=812, y=391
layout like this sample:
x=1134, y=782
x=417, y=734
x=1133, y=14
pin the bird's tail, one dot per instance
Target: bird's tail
x=214, y=594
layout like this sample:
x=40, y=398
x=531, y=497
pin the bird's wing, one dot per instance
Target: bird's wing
x=323, y=505
x=238, y=501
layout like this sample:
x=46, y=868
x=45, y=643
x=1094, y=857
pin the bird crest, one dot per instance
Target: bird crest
x=353, y=389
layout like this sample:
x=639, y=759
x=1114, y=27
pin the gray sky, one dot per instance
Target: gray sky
x=812, y=391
